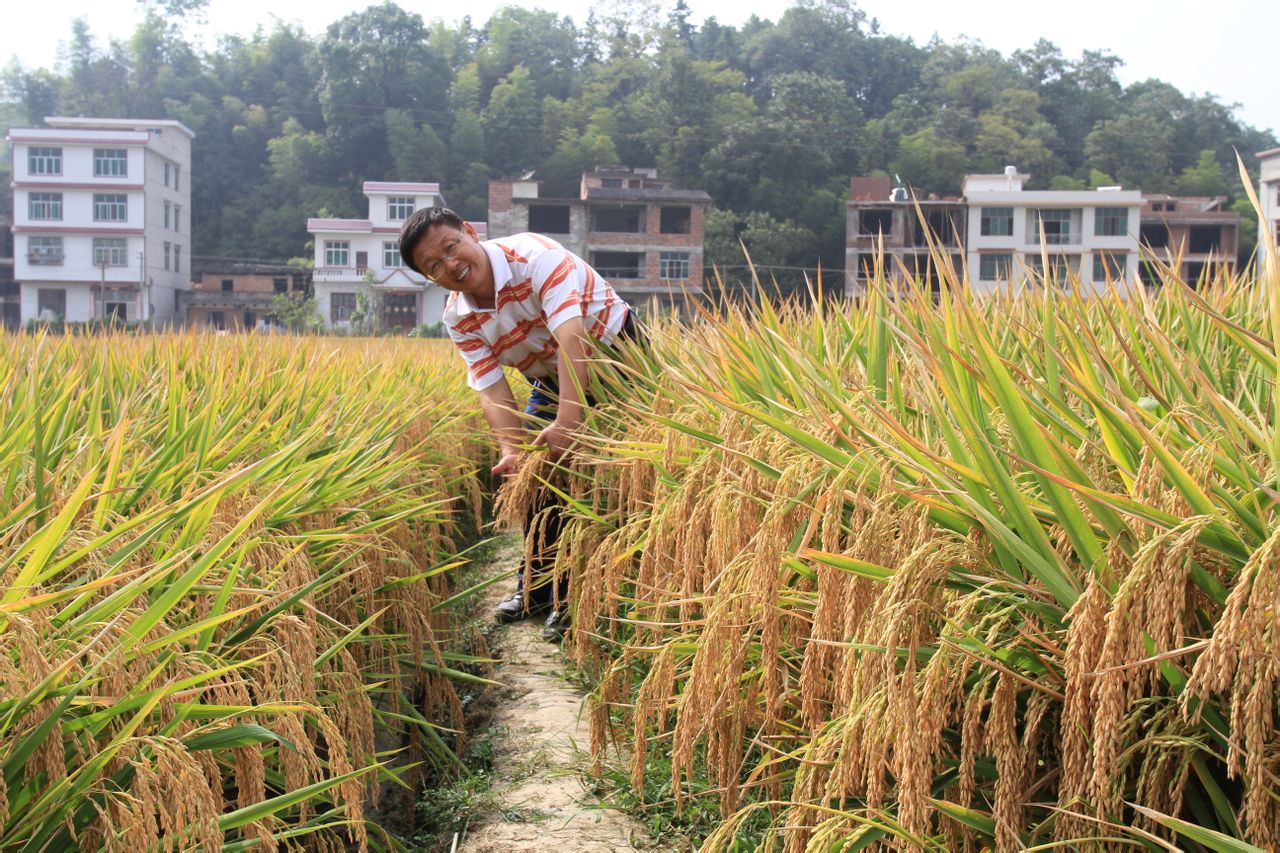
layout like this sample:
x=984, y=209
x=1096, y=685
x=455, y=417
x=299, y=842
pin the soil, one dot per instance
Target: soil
x=542, y=787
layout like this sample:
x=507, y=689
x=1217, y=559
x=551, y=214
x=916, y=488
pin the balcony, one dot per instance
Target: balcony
x=339, y=273
x=45, y=259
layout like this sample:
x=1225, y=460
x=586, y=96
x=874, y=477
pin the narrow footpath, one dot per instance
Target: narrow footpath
x=541, y=783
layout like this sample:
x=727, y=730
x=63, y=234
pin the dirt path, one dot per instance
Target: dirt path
x=541, y=784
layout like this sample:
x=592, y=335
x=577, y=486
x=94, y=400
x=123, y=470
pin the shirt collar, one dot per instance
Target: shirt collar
x=501, y=276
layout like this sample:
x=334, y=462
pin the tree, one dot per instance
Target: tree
x=296, y=311
x=930, y=163
x=417, y=151
x=514, y=109
x=1133, y=148
x=1205, y=178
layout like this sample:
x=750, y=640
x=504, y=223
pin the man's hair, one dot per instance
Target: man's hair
x=417, y=226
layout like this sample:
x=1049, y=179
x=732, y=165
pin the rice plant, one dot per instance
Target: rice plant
x=981, y=572
x=222, y=560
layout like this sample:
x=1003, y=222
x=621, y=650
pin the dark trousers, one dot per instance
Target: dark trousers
x=545, y=518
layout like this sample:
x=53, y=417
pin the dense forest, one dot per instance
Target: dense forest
x=770, y=117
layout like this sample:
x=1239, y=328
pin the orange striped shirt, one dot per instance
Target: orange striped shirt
x=539, y=285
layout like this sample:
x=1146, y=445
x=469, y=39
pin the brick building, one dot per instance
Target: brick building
x=1198, y=235
x=238, y=297
x=636, y=230
x=879, y=216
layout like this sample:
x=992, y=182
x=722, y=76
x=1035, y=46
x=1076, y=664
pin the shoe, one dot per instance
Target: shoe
x=512, y=609
x=557, y=623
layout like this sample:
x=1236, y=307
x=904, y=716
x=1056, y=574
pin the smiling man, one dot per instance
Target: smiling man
x=525, y=302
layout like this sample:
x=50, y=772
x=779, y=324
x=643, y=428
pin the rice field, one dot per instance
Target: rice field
x=945, y=574
x=223, y=567
x=965, y=574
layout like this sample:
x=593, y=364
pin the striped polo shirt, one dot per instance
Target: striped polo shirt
x=539, y=285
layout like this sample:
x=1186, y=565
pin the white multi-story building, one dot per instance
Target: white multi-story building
x=1269, y=195
x=101, y=218
x=358, y=267
x=1090, y=234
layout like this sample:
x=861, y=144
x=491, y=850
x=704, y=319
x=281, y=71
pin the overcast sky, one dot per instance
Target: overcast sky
x=1225, y=48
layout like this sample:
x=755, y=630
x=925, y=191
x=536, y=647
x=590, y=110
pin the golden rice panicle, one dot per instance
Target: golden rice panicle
x=1242, y=660
x=1149, y=604
x=1086, y=635
x=649, y=718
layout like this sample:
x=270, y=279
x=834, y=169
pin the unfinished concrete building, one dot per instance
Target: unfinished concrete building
x=637, y=231
x=239, y=297
x=1196, y=236
x=882, y=217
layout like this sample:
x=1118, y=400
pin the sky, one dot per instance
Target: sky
x=1222, y=48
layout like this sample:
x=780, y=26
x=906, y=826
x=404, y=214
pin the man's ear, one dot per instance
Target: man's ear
x=470, y=231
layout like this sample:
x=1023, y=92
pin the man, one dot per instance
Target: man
x=526, y=302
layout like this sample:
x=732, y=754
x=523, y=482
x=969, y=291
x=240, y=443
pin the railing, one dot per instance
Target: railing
x=620, y=272
x=45, y=259
x=205, y=298
x=338, y=273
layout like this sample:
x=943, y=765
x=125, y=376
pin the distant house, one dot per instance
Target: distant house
x=1192, y=234
x=880, y=217
x=10, y=296
x=102, y=218
x=357, y=261
x=637, y=231
x=1269, y=195
x=1090, y=235
x=238, y=296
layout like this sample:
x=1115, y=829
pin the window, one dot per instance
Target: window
x=228, y=285
x=1056, y=225
x=110, y=252
x=611, y=183
x=44, y=161
x=391, y=255
x=109, y=207
x=250, y=319
x=217, y=319
x=673, y=265
x=634, y=183
x=341, y=307
x=996, y=222
x=166, y=254
x=166, y=214
x=44, y=206
x=995, y=267
x=177, y=217
x=110, y=163
x=549, y=218
x=674, y=220
x=1108, y=265
x=51, y=300
x=619, y=219
x=337, y=253
x=177, y=174
x=399, y=207
x=1204, y=239
x=166, y=174
x=1153, y=235
x=1111, y=221
x=280, y=285
x=875, y=220
x=177, y=258
x=618, y=264
x=116, y=310
x=45, y=251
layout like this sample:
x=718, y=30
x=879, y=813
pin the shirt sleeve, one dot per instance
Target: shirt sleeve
x=559, y=279
x=483, y=369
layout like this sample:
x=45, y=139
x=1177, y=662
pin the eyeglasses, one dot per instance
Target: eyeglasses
x=433, y=271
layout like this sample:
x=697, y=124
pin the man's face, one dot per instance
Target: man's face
x=455, y=260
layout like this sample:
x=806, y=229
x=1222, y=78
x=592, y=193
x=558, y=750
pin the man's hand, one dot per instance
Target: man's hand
x=556, y=437
x=507, y=466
